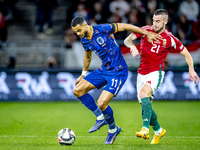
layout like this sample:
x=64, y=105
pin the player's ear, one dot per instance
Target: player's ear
x=166, y=21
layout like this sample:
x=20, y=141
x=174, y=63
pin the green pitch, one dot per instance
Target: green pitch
x=34, y=126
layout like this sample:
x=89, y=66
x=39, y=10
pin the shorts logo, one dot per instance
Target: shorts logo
x=100, y=40
x=112, y=88
x=148, y=82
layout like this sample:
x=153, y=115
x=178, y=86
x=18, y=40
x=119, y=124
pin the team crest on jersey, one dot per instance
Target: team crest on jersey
x=100, y=40
x=164, y=42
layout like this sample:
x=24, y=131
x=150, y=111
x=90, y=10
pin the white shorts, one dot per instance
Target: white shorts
x=153, y=79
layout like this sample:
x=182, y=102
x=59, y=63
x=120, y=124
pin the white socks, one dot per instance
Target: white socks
x=112, y=130
x=158, y=132
x=146, y=128
x=101, y=117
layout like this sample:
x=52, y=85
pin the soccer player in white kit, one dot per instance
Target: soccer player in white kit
x=151, y=69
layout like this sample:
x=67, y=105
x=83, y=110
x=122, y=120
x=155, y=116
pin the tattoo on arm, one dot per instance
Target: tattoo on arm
x=129, y=40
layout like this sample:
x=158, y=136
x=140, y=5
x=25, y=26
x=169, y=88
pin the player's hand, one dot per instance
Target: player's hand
x=153, y=37
x=79, y=79
x=193, y=76
x=134, y=51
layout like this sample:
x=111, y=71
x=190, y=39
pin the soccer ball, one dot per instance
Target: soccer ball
x=66, y=136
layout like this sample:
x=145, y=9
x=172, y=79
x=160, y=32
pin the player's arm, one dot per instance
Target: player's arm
x=129, y=43
x=193, y=75
x=150, y=35
x=86, y=63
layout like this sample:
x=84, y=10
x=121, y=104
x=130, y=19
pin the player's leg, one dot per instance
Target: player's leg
x=81, y=92
x=146, y=107
x=158, y=130
x=154, y=80
x=103, y=102
x=114, y=84
x=154, y=121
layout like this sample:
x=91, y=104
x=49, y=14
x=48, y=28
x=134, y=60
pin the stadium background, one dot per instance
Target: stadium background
x=45, y=69
x=36, y=91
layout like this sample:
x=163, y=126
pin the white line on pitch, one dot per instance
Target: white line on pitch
x=34, y=136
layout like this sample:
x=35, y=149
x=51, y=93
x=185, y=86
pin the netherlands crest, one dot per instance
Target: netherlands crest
x=100, y=40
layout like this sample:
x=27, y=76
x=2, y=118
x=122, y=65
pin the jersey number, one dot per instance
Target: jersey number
x=155, y=48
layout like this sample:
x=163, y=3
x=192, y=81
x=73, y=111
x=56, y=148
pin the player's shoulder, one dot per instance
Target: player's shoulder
x=85, y=41
x=169, y=34
x=148, y=27
x=100, y=26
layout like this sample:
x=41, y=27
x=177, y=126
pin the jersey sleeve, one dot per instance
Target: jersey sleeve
x=110, y=28
x=87, y=49
x=86, y=46
x=176, y=43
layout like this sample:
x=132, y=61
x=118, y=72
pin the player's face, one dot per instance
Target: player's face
x=81, y=30
x=159, y=23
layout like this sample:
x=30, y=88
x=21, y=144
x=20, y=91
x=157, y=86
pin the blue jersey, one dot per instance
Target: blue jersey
x=106, y=47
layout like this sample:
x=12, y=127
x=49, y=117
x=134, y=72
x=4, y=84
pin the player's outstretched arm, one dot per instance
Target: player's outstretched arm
x=193, y=75
x=86, y=63
x=129, y=43
x=150, y=35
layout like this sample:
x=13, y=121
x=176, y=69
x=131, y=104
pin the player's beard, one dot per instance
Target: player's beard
x=85, y=33
x=160, y=29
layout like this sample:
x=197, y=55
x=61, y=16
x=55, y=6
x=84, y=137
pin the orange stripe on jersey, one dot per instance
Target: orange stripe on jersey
x=112, y=36
x=92, y=33
x=116, y=29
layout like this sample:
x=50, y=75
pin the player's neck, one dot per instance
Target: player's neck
x=161, y=31
x=89, y=34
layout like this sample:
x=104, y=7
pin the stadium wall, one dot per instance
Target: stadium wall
x=58, y=85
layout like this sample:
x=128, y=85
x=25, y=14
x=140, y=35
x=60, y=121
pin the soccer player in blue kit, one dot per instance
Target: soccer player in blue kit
x=112, y=74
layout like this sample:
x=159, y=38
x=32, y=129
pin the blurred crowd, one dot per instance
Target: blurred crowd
x=184, y=15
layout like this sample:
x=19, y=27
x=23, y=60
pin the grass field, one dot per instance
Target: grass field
x=34, y=126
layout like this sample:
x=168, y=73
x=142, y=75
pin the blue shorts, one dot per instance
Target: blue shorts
x=113, y=83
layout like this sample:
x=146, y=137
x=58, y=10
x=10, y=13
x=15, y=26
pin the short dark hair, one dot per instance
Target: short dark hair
x=162, y=12
x=77, y=20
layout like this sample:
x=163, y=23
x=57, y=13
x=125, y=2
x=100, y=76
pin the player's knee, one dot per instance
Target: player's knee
x=143, y=94
x=77, y=92
x=102, y=105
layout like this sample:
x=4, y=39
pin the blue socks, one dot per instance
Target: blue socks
x=108, y=115
x=89, y=102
